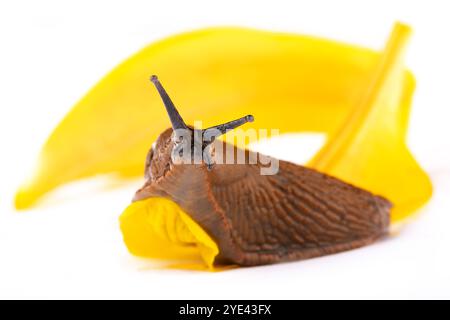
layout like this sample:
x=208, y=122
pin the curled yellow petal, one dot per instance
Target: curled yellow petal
x=369, y=149
x=212, y=74
x=159, y=228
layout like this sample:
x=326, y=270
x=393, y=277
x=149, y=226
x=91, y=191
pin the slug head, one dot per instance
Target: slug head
x=182, y=144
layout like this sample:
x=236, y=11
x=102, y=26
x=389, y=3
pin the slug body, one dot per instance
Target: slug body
x=257, y=219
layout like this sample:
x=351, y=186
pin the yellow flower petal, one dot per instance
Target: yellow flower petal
x=369, y=150
x=159, y=228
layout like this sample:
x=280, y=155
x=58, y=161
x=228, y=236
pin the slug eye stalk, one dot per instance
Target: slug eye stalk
x=174, y=115
x=208, y=135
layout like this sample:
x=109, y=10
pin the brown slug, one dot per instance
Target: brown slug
x=255, y=219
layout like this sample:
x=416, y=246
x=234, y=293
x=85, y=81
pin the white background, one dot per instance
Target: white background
x=52, y=52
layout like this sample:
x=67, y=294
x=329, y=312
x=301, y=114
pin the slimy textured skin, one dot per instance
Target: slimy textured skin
x=255, y=219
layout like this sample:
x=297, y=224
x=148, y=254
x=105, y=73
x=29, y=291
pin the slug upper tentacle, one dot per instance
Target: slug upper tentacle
x=185, y=137
x=256, y=219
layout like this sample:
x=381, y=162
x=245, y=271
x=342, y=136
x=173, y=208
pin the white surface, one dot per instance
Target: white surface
x=51, y=53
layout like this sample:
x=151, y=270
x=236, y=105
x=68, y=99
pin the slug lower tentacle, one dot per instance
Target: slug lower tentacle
x=257, y=219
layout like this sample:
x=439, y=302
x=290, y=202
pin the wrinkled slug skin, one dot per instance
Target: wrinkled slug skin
x=258, y=219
